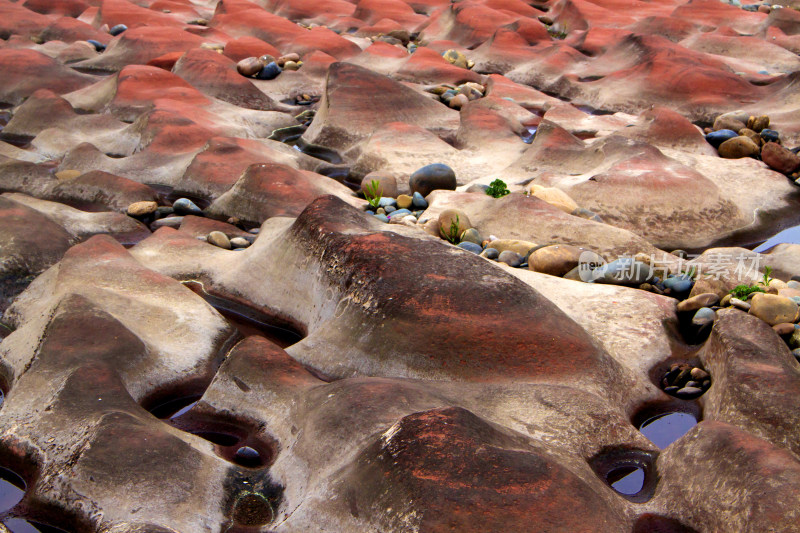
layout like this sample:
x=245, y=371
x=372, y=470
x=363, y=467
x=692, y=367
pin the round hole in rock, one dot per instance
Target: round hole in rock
x=221, y=439
x=174, y=408
x=12, y=489
x=664, y=429
x=20, y=525
x=628, y=471
x=628, y=480
x=252, y=509
x=249, y=457
x=650, y=523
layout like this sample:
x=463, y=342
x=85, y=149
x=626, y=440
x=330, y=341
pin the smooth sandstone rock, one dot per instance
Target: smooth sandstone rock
x=774, y=309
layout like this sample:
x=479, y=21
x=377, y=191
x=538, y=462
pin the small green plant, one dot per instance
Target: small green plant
x=743, y=291
x=765, y=281
x=372, y=193
x=497, y=189
x=452, y=234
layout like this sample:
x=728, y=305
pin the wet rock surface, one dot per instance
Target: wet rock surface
x=398, y=266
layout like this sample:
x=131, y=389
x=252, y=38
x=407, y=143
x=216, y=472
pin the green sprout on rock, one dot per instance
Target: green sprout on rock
x=497, y=189
x=453, y=234
x=767, y=271
x=372, y=193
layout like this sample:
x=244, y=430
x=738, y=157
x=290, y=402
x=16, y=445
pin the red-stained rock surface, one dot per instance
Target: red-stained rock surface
x=175, y=234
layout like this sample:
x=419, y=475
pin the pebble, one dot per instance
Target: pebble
x=780, y=159
x=432, y=177
x=97, y=45
x=164, y=211
x=239, y=242
x=184, y=206
x=738, y=147
x=390, y=209
x=458, y=101
x=291, y=65
x=398, y=213
x=217, y=238
x=699, y=374
x=793, y=284
x=510, y=258
x=408, y=220
x=470, y=247
x=490, y=253
x=456, y=58
x=167, y=222
x=758, y=123
x=726, y=300
x=715, y=138
x=739, y=304
x=387, y=201
x=521, y=247
x=65, y=175
x=768, y=135
x=254, y=231
x=270, y=71
x=785, y=328
x=703, y=317
x=678, y=283
x=688, y=393
x=387, y=183
x=773, y=309
x=382, y=217
x=249, y=66
x=116, y=30
x=556, y=259
x=293, y=56
x=141, y=209
x=417, y=200
x=472, y=235
x=727, y=122
x=404, y=201
x=623, y=272
x=699, y=301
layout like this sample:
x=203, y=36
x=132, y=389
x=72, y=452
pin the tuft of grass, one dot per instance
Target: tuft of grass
x=765, y=281
x=743, y=291
x=372, y=193
x=497, y=189
x=452, y=234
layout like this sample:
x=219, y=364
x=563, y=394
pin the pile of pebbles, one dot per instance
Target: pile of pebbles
x=685, y=381
x=736, y=136
x=456, y=96
x=267, y=67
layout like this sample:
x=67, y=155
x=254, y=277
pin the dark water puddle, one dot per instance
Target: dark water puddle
x=787, y=236
x=12, y=490
x=629, y=472
x=627, y=480
x=174, y=407
x=247, y=320
x=319, y=152
x=5, y=116
x=20, y=525
x=20, y=141
x=589, y=110
x=529, y=134
x=288, y=135
x=664, y=429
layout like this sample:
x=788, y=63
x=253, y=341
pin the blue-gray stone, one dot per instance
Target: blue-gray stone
x=432, y=177
x=116, y=30
x=169, y=222
x=390, y=209
x=184, y=206
x=491, y=253
x=254, y=231
x=769, y=135
x=795, y=299
x=796, y=353
x=470, y=247
x=97, y=45
x=678, y=283
x=704, y=316
x=715, y=138
x=512, y=259
x=269, y=72
x=386, y=201
x=400, y=212
x=382, y=218
x=370, y=212
x=623, y=271
x=419, y=201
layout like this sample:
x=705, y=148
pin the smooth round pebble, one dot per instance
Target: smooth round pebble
x=270, y=71
x=217, y=238
x=116, y=30
x=141, y=209
x=239, y=242
x=470, y=247
x=512, y=259
x=490, y=253
x=184, y=206
x=417, y=200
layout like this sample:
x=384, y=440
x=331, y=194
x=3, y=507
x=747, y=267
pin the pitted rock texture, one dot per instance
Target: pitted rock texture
x=332, y=372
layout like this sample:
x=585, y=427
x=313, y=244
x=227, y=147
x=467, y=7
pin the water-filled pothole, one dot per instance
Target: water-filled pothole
x=629, y=472
x=20, y=525
x=249, y=321
x=664, y=429
x=650, y=523
x=12, y=490
x=529, y=134
x=175, y=407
